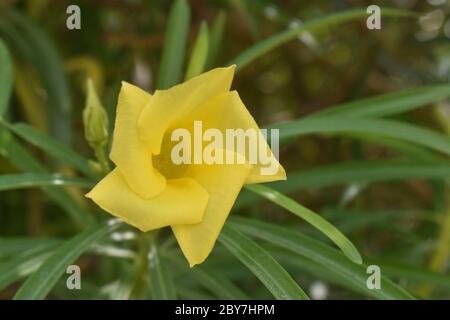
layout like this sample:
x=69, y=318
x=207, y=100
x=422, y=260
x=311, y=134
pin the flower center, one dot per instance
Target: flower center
x=163, y=161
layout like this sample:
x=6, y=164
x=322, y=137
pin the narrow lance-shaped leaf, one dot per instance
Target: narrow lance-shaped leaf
x=387, y=128
x=388, y=104
x=213, y=282
x=215, y=39
x=172, y=58
x=417, y=274
x=405, y=149
x=29, y=180
x=353, y=172
x=5, y=77
x=160, y=280
x=329, y=258
x=23, y=263
x=124, y=286
x=199, y=53
x=40, y=283
x=50, y=145
x=262, y=264
x=12, y=245
x=33, y=45
x=20, y=157
x=277, y=40
x=314, y=219
x=304, y=265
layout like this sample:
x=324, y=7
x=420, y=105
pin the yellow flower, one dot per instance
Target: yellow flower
x=149, y=191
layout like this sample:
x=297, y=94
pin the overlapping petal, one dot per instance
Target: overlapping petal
x=223, y=183
x=169, y=106
x=128, y=152
x=182, y=201
x=237, y=116
x=227, y=111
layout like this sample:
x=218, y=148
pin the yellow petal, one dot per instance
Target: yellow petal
x=169, y=106
x=237, y=116
x=223, y=183
x=183, y=201
x=128, y=152
x=227, y=111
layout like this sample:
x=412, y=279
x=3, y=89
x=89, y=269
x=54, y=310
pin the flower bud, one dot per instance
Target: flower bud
x=95, y=118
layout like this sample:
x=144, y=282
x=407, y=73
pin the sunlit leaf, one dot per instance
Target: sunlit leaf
x=5, y=77
x=354, y=172
x=51, y=146
x=386, y=128
x=23, y=263
x=263, y=266
x=172, y=59
x=312, y=218
x=24, y=161
x=388, y=104
x=161, y=281
x=29, y=180
x=40, y=283
x=281, y=38
x=216, y=283
x=215, y=39
x=329, y=258
x=34, y=46
x=199, y=53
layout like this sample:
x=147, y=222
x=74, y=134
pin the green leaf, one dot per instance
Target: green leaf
x=23, y=160
x=409, y=150
x=389, y=104
x=217, y=284
x=20, y=157
x=199, y=53
x=353, y=172
x=295, y=262
x=281, y=38
x=6, y=77
x=33, y=45
x=312, y=218
x=193, y=294
x=29, y=180
x=172, y=59
x=23, y=263
x=215, y=39
x=123, y=288
x=51, y=146
x=12, y=245
x=160, y=280
x=40, y=283
x=262, y=264
x=329, y=258
x=386, y=128
x=419, y=275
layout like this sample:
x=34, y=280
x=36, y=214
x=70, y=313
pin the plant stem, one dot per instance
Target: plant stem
x=101, y=157
x=141, y=278
x=442, y=251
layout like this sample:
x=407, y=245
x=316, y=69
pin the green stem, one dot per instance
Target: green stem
x=442, y=251
x=101, y=157
x=141, y=279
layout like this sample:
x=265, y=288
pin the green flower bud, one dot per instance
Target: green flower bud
x=95, y=118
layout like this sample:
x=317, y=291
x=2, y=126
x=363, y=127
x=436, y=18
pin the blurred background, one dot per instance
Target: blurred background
x=399, y=223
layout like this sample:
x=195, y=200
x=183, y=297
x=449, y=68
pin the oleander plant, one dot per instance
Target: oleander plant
x=355, y=102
